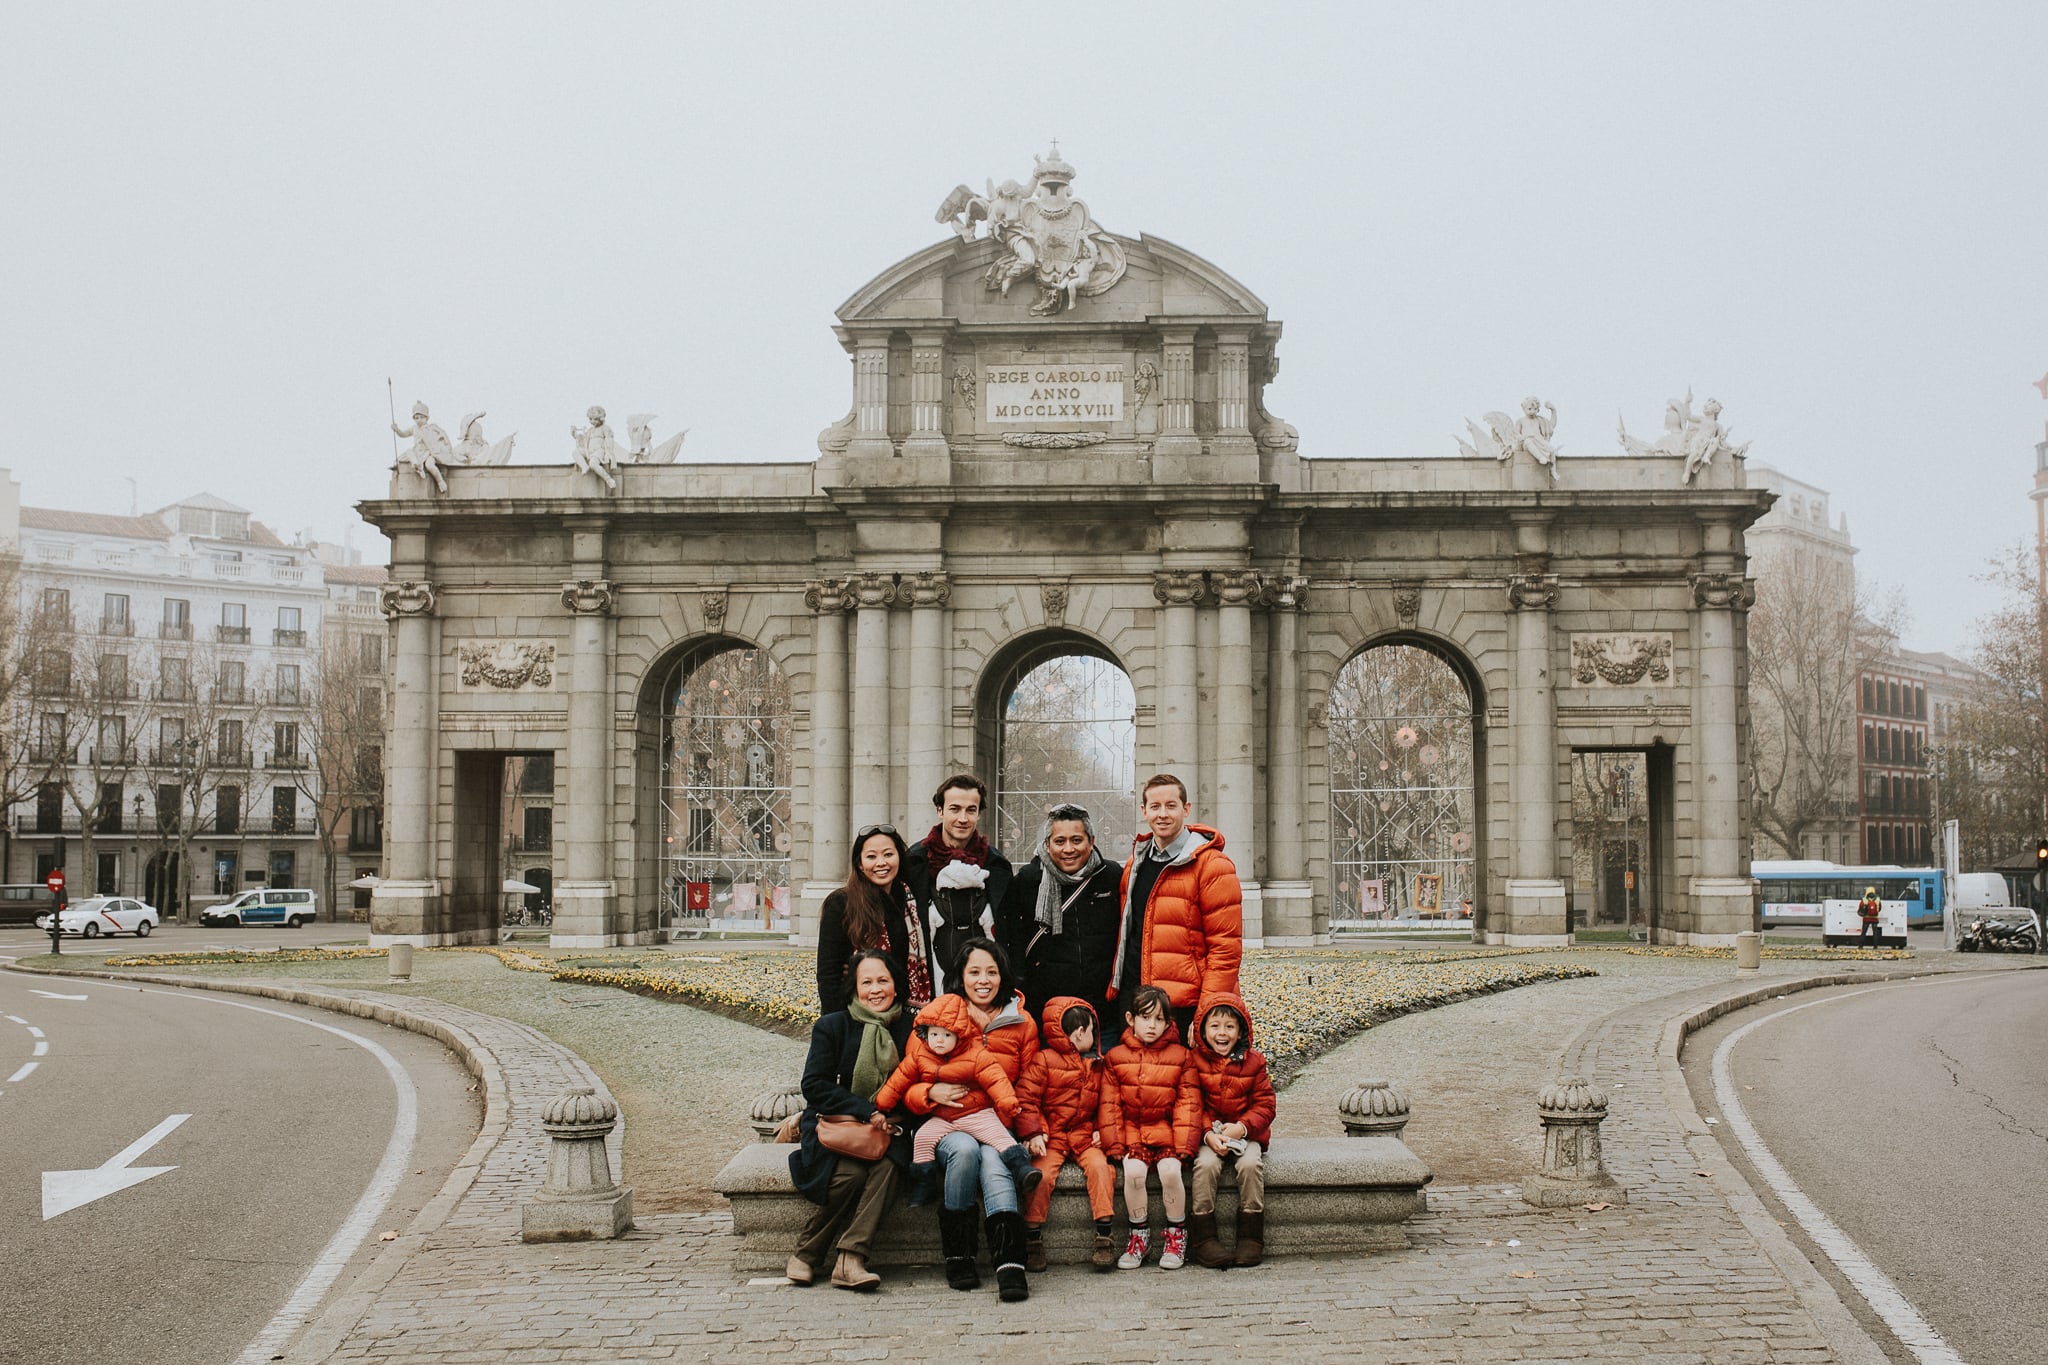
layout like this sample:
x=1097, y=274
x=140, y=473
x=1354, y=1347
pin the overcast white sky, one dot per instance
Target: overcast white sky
x=223, y=227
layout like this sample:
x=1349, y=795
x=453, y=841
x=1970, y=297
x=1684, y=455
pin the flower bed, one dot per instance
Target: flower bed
x=209, y=959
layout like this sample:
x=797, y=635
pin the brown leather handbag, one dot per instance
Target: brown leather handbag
x=857, y=1138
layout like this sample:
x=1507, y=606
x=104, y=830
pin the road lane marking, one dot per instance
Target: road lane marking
x=64, y=1191
x=1913, y=1331
x=42, y=1048
x=19, y=1020
x=33, y=1031
x=22, y=1074
x=362, y=1219
x=49, y=995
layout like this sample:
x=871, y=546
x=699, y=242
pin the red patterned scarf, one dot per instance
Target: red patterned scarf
x=937, y=852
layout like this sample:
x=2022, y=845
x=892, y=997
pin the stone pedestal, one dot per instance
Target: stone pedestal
x=407, y=912
x=1749, y=952
x=1289, y=915
x=1722, y=907
x=1573, y=1172
x=1536, y=914
x=579, y=1202
x=583, y=915
x=1373, y=1108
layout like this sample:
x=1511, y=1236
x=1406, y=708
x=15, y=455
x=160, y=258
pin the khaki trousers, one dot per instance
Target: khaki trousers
x=860, y=1193
x=1251, y=1179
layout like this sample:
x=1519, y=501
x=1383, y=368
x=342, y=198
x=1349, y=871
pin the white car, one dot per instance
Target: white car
x=106, y=915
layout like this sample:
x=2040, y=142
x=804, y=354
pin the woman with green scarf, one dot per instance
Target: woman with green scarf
x=852, y=1052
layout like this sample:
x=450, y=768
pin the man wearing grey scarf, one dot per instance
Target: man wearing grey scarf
x=1058, y=923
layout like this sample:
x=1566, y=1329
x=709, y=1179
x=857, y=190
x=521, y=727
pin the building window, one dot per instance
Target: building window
x=56, y=609
x=284, y=867
x=53, y=738
x=107, y=819
x=107, y=882
x=1919, y=702
x=289, y=631
x=539, y=777
x=284, y=810
x=113, y=739
x=702, y=831
x=168, y=799
x=114, y=619
x=177, y=679
x=370, y=653
x=227, y=745
x=370, y=768
x=539, y=834
x=170, y=740
x=50, y=808
x=227, y=815
x=1868, y=705
x=234, y=682
x=224, y=873
x=284, y=747
x=366, y=829
x=234, y=623
x=53, y=672
x=177, y=623
x=288, y=684
x=113, y=676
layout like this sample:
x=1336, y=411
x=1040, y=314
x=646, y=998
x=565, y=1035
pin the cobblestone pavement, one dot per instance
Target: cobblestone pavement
x=1689, y=1270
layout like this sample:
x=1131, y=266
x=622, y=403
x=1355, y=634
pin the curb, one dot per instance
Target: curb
x=325, y=1333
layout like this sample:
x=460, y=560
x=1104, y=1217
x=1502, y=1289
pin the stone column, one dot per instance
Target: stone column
x=927, y=396
x=406, y=906
x=1289, y=909
x=1178, y=592
x=1177, y=394
x=1535, y=895
x=1235, y=812
x=584, y=898
x=826, y=799
x=871, y=399
x=1721, y=905
x=873, y=753
x=930, y=700
x=1233, y=443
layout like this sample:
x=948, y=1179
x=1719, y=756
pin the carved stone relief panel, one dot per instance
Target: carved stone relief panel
x=1621, y=659
x=505, y=666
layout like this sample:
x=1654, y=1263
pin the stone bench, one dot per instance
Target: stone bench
x=1323, y=1196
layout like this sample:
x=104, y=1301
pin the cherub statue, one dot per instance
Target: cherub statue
x=597, y=449
x=1706, y=437
x=430, y=448
x=1537, y=425
x=476, y=448
x=1504, y=435
x=640, y=447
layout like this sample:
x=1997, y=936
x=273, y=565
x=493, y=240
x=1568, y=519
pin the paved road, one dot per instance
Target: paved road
x=17, y=941
x=288, y=1125
x=1915, y=1115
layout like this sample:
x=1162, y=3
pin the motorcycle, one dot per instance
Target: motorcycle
x=1999, y=936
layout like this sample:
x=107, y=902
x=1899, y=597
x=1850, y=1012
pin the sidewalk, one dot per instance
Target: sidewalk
x=1689, y=1270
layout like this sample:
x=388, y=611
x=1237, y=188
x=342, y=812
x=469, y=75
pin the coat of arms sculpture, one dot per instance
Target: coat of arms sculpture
x=1042, y=233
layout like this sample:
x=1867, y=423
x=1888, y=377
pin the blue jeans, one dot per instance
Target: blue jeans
x=973, y=1169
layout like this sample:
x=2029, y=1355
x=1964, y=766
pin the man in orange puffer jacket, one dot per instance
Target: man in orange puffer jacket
x=1183, y=924
x=1238, y=1107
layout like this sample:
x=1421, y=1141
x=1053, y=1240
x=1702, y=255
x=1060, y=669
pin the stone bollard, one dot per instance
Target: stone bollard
x=1573, y=1173
x=1373, y=1108
x=579, y=1202
x=401, y=962
x=771, y=1107
x=1749, y=951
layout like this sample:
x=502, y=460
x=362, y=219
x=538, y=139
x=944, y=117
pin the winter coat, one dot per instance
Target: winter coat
x=1013, y=1037
x=969, y=1064
x=1149, y=1097
x=1192, y=938
x=835, y=950
x=954, y=916
x=1060, y=1093
x=1237, y=1088
x=827, y=1086
x=1079, y=959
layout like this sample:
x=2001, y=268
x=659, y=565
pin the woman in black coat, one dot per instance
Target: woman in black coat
x=875, y=909
x=852, y=1053
x=1058, y=923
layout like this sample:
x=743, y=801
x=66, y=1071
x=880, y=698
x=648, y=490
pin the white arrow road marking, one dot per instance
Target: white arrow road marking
x=64, y=1191
x=48, y=995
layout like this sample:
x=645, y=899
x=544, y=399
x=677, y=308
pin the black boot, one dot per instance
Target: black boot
x=957, y=1240
x=924, y=1183
x=1006, y=1250
x=1025, y=1175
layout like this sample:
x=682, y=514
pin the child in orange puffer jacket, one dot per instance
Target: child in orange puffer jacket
x=1150, y=1120
x=1238, y=1107
x=1061, y=1097
x=945, y=1047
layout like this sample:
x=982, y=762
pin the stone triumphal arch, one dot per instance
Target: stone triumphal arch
x=1376, y=672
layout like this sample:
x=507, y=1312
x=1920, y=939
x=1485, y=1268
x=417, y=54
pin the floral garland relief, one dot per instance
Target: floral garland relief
x=507, y=665
x=1621, y=660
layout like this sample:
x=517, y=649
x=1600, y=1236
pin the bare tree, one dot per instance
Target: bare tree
x=199, y=709
x=1812, y=636
x=1996, y=770
x=19, y=774
x=83, y=713
x=341, y=721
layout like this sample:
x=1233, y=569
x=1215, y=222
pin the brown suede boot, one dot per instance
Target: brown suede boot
x=1034, y=1247
x=1251, y=1238
x=1207, y=1247
x=851, y=1272
x=1104, y=1256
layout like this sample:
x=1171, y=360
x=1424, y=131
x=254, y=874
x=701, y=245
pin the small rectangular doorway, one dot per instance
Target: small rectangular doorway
x=1620, y=843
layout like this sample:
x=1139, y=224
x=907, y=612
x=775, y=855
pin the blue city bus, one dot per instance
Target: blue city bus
x=1793, y=892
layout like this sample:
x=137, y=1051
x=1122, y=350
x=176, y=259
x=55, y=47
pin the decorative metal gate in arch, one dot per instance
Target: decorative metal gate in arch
x=1067, y=730
x=725, y=790
x=1403, y=818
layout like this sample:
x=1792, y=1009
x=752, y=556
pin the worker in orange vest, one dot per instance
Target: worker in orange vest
x=1868, y=910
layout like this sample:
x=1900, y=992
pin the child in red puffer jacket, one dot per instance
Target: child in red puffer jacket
x=1238, y=1106
x=1060, y=1094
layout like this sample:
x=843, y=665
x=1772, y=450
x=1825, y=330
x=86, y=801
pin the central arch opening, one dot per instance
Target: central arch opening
x=1060, y=723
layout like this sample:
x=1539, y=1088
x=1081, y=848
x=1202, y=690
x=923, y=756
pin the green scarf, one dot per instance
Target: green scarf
x=878, y=1055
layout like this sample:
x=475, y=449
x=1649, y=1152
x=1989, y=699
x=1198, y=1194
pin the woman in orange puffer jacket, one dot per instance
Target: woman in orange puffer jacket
x=1151, y=1119
x=1060, y=1099
x=945, y=1048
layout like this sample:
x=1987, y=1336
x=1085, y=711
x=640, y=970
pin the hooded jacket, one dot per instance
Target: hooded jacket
x=1060, y=1093
x=1236, y=1088
x=1149, y=1097
x=1192, y=936
x=969, y=1064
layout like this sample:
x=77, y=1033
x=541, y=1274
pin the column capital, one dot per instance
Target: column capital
x=407, y=598
x=828, y=595
x=1723, y=591
x=1179, y=587
x=589, y=596
x=1287, y=594
x=1237, y=587
x=1532, y=591
x=932, y=589
x=872, y=590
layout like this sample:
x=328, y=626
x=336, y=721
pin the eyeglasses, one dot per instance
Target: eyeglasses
x=1066, y=810
x=866, y=830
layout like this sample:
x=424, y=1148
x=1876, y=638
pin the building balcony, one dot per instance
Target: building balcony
x=175, y=692
x=114, y=689
x=174, y=630
x=538, y=844
x=231, y=696
x=28, y=822
x=112, y=755
x=289, y=824
x=40, y=751
x=285, y=761
x=123, y=627
x=294, y=639
x=231, y=635
x=231, y=758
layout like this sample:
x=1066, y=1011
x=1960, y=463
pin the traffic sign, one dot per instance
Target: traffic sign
x=55, y=881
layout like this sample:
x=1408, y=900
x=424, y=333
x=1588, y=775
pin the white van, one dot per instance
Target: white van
x=1977, y=894
x=289, y=906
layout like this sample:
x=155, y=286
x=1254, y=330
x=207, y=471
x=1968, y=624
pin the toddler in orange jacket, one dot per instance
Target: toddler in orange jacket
x=945, y=1048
